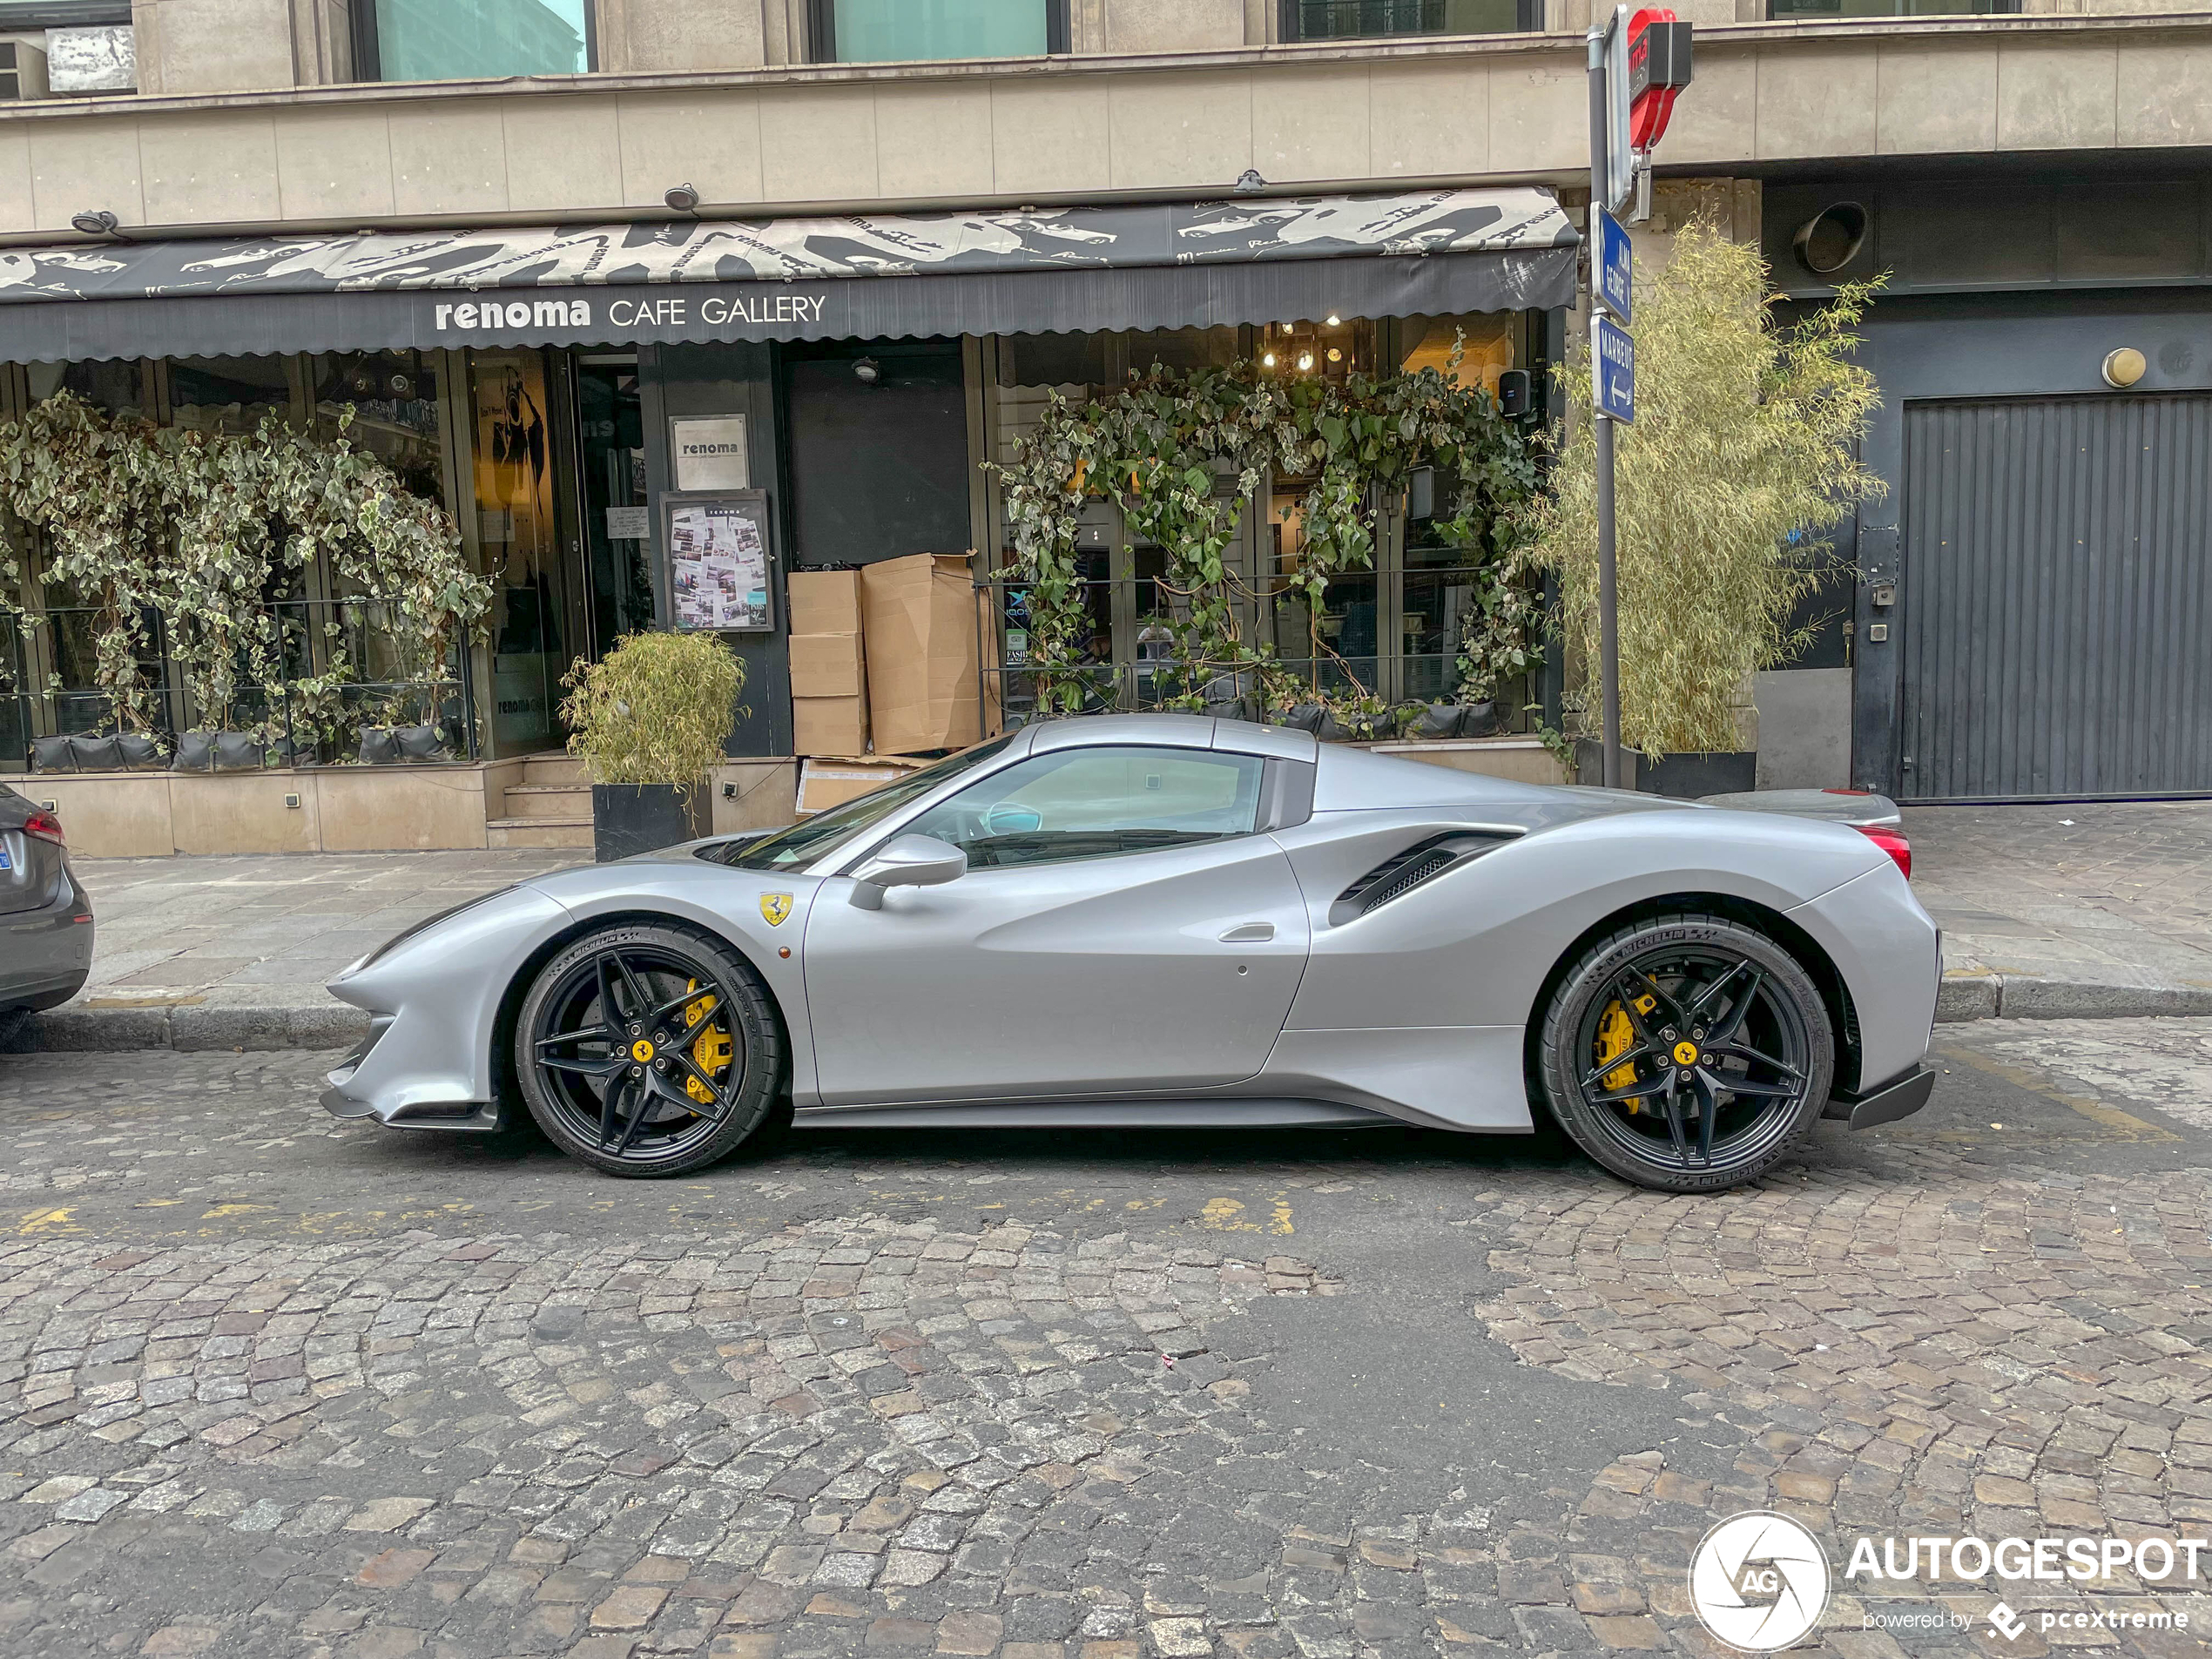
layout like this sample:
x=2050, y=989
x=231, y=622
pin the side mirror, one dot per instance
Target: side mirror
x=906, y=861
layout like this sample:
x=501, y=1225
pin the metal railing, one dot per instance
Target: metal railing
x=288, y=726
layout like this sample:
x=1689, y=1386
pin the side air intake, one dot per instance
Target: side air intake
x=1416, y=867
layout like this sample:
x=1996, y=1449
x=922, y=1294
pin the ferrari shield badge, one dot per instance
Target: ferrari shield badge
x=774, y=906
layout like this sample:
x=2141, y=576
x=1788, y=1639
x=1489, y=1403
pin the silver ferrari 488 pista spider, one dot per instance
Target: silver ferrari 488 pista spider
x=1171, y=920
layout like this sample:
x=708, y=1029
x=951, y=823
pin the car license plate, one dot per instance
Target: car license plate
x=5, y=863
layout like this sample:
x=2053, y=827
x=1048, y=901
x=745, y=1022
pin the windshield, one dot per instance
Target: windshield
x=805, y=842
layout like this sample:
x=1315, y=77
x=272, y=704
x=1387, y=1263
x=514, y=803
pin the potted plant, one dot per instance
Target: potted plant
x=1747, y=446
x=648, y=721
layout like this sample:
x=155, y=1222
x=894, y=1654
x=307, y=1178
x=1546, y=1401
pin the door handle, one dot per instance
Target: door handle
x=1251, y=932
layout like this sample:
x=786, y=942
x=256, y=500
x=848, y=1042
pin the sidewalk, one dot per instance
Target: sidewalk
x=233, y=952
x=2067, y=911
x=2047, y=912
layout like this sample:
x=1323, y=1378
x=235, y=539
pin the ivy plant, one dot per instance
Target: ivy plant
x=208, y=531
x=1181, y=452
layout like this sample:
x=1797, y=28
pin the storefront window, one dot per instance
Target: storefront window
x=120, y=386
x=1333, y=647
x=397, y=418
x=1127, y=645
x=447, y=40
x=1797, y=10
x=889, y=32
x=1437, y=585
x=520, y=547
x=1369, y=19
x=227, y=394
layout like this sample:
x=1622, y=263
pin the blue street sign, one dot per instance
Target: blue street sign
x=1613, y=354
x=1615, y=267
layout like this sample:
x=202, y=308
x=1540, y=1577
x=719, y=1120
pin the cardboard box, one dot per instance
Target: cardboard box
x=829, y=725
x=824, y=602
x=827, y=665
x=919, y=629
x=827, y=781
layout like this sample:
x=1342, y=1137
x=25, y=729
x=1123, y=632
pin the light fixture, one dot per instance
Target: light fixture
x=1248, y=183
x=1267, y=360
x=1304, y=361
x=1335, y=322
x=95, y=222
x=2123, y=369
x=684, y=199
x=1335, y=356
x=867, y=371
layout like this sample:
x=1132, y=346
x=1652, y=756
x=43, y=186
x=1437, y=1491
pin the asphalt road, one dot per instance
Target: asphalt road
x=272, y=1384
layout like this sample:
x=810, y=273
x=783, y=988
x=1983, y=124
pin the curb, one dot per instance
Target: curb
x=2000, y=996
x=189, y=1028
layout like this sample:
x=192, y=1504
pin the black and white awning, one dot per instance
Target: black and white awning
x=1144, y=265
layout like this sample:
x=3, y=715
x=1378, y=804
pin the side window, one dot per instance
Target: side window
x=1097, y=803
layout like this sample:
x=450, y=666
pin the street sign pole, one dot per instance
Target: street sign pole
x=1638, y=66
x=1608, y=609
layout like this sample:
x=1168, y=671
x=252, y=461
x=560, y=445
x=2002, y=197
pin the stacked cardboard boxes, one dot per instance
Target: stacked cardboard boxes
x=885, y=662
x=829, y=678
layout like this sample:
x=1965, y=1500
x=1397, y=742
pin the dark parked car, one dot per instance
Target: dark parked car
x=45, y=917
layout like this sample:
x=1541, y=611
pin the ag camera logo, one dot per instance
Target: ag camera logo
x=1759, y=1582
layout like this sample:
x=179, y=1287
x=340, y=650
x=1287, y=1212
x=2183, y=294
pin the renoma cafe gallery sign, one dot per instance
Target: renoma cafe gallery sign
x=744, y=308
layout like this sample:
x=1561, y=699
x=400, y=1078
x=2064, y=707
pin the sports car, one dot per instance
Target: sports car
x=1133, y=920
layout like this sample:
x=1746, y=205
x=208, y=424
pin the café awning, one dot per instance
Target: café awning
x=1031, y=271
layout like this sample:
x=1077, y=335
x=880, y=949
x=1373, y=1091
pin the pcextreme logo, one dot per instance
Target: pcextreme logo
x=1759, y=1582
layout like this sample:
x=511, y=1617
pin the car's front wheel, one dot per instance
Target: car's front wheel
x=1687, y=1052
x=648, y=1050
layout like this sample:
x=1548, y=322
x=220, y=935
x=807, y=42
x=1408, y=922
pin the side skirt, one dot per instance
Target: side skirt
x=1199, y=1113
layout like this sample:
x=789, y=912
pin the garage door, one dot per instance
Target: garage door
x=2056, y=614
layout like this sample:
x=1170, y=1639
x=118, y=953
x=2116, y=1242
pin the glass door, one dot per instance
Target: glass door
x=518, y=529
x=617, y=528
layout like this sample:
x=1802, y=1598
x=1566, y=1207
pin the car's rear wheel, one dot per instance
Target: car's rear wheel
x=1687, y=1052
x=648, y=1050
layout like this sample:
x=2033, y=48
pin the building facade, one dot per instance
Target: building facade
x=2017, y=621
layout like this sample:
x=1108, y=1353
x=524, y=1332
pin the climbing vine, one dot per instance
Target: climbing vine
x=1182, y=452
x=206, y=531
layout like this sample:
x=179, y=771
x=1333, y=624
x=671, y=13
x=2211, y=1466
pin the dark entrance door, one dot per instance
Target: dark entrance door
x=2055, y=610
x=616, y=530
x=878, y=450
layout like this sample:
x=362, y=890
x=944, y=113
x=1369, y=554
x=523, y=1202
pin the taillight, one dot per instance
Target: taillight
x=44, y=827
x=1893, y=842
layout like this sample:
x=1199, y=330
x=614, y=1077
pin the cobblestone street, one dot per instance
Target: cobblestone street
x=276, y=1384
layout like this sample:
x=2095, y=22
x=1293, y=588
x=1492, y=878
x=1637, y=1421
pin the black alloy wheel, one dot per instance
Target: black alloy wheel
x=1687, y=1052
x=649, y=1050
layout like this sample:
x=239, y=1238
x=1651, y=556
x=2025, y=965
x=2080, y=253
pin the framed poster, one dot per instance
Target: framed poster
x=710, y=452
x=719, y=563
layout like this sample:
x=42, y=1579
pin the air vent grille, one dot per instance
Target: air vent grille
x=1417, y=865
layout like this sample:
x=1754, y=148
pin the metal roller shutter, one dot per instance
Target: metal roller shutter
x=2056, y=597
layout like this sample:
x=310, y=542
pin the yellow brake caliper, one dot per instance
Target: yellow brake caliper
x=711, y=1052
x=1615, y=1037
